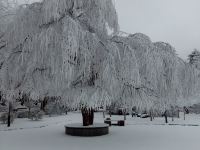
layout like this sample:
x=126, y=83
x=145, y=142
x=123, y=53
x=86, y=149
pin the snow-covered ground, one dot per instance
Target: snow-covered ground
x=138, y=134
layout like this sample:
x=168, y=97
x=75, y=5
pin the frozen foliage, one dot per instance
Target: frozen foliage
x=64, y=48
x=36, y=114
x=158, y=78
x=94, y=15
x=194, y=58
x=4, y=118
x=7, y=11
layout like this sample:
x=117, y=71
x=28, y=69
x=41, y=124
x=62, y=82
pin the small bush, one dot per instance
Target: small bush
x=36, y=115
x=4, y=118
x=22, y=114
x=3, y=108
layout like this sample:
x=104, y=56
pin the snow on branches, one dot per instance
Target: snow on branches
x=65, y=48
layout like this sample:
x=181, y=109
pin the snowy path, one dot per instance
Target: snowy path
x=139, y=134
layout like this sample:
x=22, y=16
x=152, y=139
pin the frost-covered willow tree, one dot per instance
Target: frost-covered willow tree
x=8, y=11
x=66, y=48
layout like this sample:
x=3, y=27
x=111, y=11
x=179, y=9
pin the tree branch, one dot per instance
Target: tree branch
x=1, y=47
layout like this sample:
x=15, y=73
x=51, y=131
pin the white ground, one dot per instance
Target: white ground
x=138, y=134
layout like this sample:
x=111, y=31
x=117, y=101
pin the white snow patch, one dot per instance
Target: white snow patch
x=123, y=34
x=114, y=2
x=139, y=134
x=109, y=29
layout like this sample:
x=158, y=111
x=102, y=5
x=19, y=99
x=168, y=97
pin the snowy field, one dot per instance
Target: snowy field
x=138, y=134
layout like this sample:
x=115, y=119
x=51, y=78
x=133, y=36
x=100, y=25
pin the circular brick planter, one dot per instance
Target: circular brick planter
x=77, y=129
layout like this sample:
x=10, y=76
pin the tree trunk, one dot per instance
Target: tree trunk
x=104, y=115
x=88, y=116
x=166, y=121
x=124, y=116
x=184, y=115
x=91, y=116
x=151, y=117
x=8, y=120
x=165, y=116
x=110, y=112
x=172, y=115
x=29, y=112
x=178, y=113
x=124, y=113
x=9, y=113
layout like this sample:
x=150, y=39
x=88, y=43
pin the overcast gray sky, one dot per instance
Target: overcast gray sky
x=173, y=21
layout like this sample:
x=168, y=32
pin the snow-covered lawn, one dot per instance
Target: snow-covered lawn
x=138, y=134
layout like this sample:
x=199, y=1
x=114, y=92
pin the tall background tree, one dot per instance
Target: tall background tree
x=194, y=58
